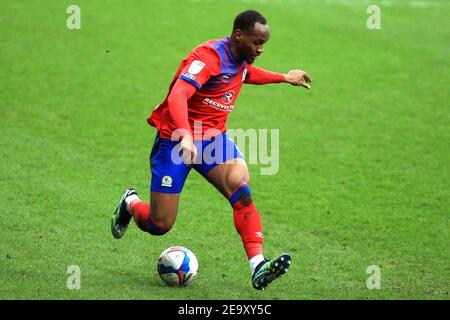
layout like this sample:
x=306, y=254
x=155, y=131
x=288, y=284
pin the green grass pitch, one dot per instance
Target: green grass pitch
x=364, y=156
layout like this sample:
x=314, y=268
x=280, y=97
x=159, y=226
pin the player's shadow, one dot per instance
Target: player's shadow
x=147, y=282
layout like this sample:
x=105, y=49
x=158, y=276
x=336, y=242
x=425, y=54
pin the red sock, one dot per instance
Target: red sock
x=141, y=214
x=249, y=226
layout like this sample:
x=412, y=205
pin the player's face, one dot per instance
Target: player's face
x=251, y=43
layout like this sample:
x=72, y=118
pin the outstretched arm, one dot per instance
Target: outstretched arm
x=261, y=76
x=295, y=77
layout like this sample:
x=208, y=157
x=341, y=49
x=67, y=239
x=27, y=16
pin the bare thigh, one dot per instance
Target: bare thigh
x=228, y=176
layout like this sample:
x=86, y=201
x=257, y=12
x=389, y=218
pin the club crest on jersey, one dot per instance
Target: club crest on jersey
x=227, y=98
x=166, y=181
x=195, y=67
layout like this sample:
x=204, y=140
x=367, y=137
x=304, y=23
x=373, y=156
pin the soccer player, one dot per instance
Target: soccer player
x=192, y=120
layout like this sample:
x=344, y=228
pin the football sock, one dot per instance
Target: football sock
x=140, y=211
x=130, y=199
x=255, y=261
x=247, y=220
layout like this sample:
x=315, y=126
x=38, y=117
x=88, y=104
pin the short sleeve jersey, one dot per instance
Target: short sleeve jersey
x=218, y=77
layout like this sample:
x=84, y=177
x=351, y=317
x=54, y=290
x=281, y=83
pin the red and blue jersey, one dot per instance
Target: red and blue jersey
x=218, y=77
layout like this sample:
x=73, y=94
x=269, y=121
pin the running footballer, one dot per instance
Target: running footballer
x=191, y=120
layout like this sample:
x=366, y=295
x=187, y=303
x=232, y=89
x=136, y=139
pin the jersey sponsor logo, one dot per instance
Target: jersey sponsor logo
x=217, y=105
x=166, y=181
x=195, y=67
x=244, y=74
x=228, y=97
x=190, y=76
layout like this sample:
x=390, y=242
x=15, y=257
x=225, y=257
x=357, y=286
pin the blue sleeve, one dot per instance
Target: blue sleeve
x=193, y=82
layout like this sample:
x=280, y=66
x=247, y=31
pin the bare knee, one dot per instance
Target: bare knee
x=237, y=178
x=238, y=190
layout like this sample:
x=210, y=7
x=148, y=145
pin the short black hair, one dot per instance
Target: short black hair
x=245, y=21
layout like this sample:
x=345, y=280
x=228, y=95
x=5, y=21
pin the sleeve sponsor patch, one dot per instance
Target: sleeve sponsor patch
x=196, y=66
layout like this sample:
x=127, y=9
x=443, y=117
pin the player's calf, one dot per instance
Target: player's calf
x=152, y=220
x=144, y=219
x=248, y=224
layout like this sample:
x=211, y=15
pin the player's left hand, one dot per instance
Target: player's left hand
x=298, y=78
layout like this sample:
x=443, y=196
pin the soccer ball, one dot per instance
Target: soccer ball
x=177, y=266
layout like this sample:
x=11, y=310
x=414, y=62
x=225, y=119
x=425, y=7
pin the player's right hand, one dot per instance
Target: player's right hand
x=188, y=149
x=299, y=78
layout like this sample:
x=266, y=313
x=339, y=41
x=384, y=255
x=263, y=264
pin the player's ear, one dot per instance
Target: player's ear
x=237, y=34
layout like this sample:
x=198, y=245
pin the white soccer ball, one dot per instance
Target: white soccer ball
x=177, y=266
